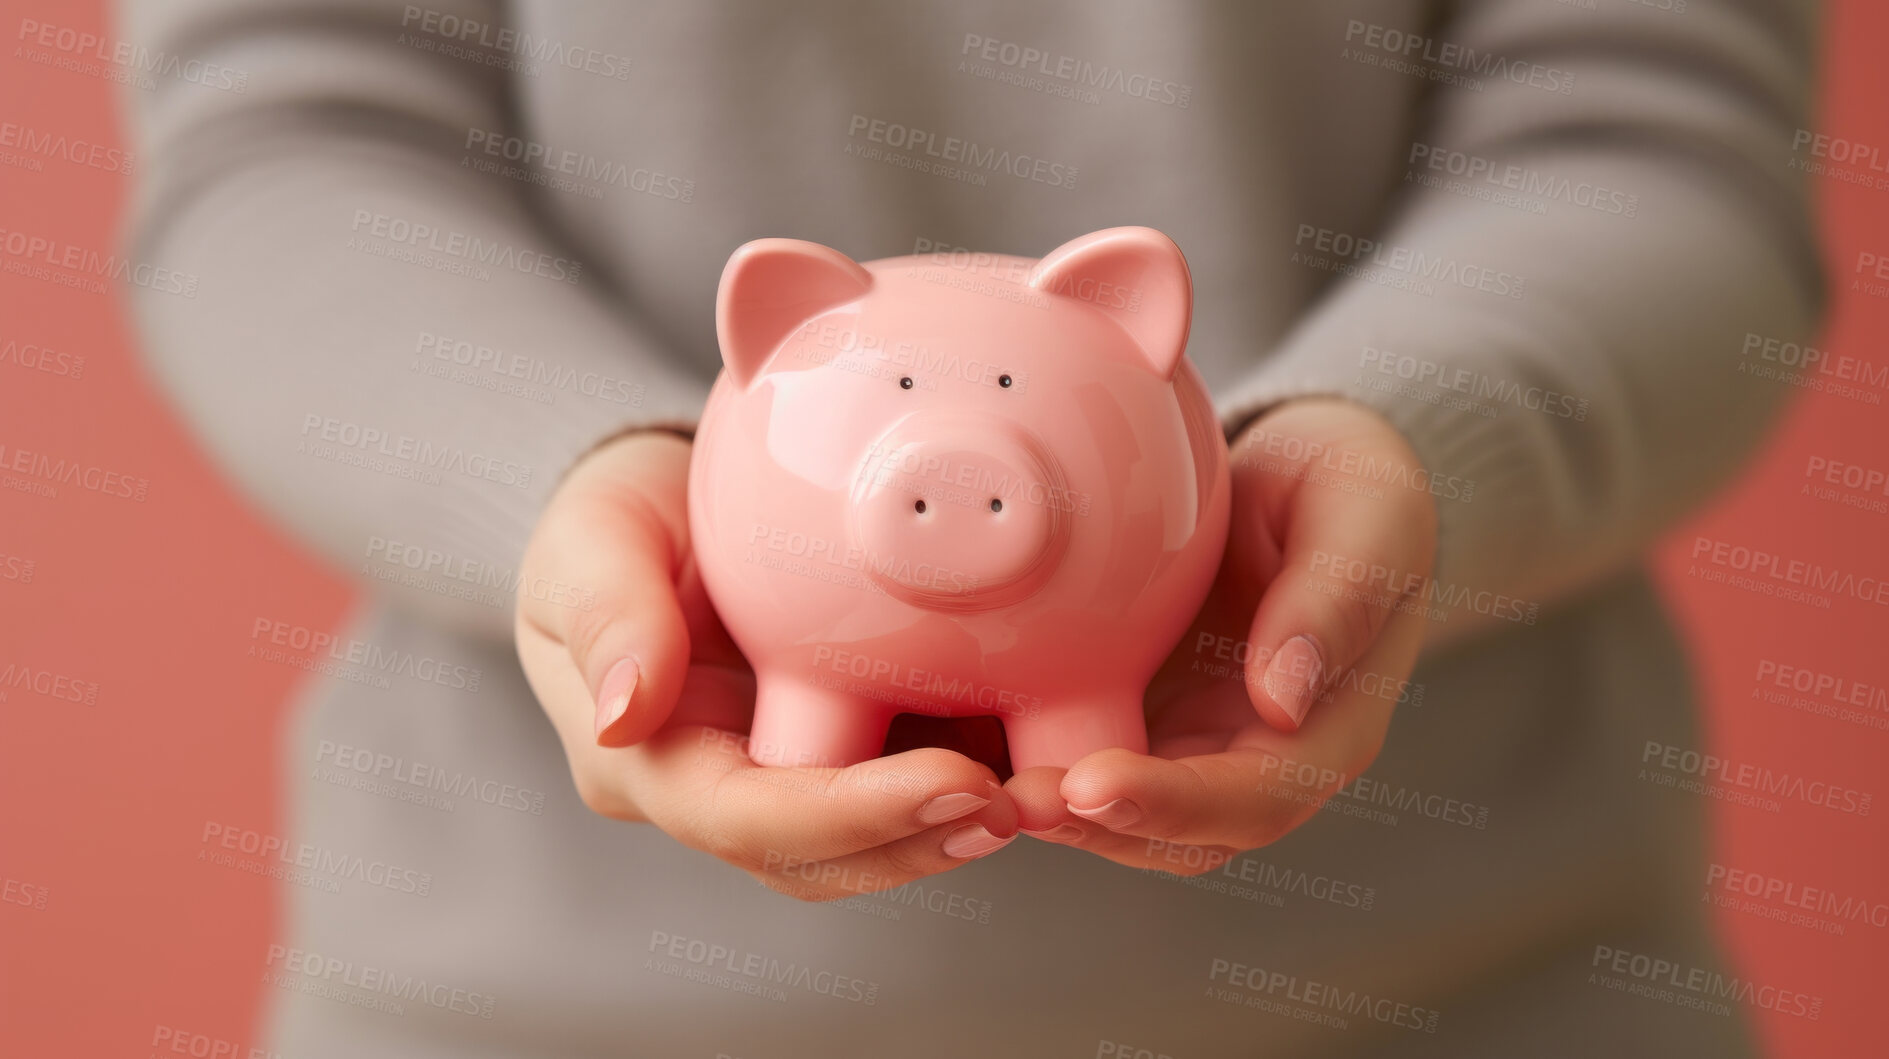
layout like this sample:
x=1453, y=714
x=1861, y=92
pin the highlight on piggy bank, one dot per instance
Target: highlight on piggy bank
x=957, y=486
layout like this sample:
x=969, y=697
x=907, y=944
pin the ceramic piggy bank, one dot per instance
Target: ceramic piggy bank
x=956, y=485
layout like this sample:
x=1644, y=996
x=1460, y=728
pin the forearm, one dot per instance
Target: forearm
x=1570, y=377
x=386, y=348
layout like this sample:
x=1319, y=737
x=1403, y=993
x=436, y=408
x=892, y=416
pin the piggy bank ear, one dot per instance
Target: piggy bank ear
x=772, y=286
x=1135, y=275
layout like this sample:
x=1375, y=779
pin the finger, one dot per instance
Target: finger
x=599, y=579
x=699, y=785
x=1262, y=786
x=1037, y=794
x=1352, y=557
x=887, y=867
x=1212, y=799
x=1042, y=814
x=1154, y=854
x=717, y=696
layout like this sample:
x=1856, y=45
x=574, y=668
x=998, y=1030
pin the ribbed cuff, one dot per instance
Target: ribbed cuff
x=1493, y=503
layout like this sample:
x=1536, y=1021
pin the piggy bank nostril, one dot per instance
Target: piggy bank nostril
x=996, y=504
x=919, y=507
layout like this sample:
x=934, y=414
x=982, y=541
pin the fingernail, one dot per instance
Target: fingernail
x=613, y=698
x=972, y=840
x=1115, y=815
x=1059, y=833
x=950, y=807
x=1292, y=676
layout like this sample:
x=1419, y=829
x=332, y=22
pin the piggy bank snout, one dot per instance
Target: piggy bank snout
x=952, y=514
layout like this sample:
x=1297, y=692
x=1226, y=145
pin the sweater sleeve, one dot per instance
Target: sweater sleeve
x=380, y=339
x=1599, y=221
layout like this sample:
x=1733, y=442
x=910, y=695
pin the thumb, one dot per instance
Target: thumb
x=599, y=579
x=1351, y=558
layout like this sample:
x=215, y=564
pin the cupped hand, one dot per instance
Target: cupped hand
x=652, y=701
x=1283, y=690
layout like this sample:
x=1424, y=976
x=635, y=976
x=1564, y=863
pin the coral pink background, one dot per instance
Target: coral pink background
x=103, y=806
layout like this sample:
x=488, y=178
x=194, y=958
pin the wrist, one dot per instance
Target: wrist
x=659, y=439
x=1328, y=430
x=1343, y=444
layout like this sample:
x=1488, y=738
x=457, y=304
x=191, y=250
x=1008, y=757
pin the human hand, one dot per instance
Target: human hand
x=1320, y=485
x=651, y=700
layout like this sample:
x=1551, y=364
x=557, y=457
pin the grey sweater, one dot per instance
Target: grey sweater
x=441, y=248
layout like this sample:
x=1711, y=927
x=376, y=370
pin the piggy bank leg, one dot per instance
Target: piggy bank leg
x=1065, y=733
x=797, y=724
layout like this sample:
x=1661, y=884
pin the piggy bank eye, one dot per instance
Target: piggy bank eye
x=1003, y=381
x=905, y=382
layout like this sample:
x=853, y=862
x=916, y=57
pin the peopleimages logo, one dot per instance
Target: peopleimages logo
x=42, y=472
x=951, y=156
x=128, y=58
x=751, y=972
x=1523, y=180
x=265, y=633
x=425, y=776
x=38, y=358
x=1754, y=779
x=1814, y=899
x=1309, y=999
x=932, y=684
x=903, y=355
x=1178, y=858
x=1442, y=56
x=529, y=371
x=459, y=245
x=1398, y=586
x=79, y=152
x=1696, y=987
x=450, y=27
x=1475, y=384
x=1308, y=781
x=1823, y=693
x=568, y=170
x=329, y=437
x=425, y=564
x=1075, y=78
x=169, y=1040
x=1345, y=253
x=47, y=683
x=1850, y=161
x=1341, y=468
x=321, y=975
x=1756, y=562
x=36, y=255
x=967, y=484
x=1811, y=367
x=827, y=559
x=17, y=568
x=223, y=838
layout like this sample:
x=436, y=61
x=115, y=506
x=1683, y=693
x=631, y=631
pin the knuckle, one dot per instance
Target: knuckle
x=585, y=631
x=933, y=769
x=1357, y=625
x=865, y=834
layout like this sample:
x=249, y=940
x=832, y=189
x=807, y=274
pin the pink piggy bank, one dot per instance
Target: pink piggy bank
x=956, y=485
